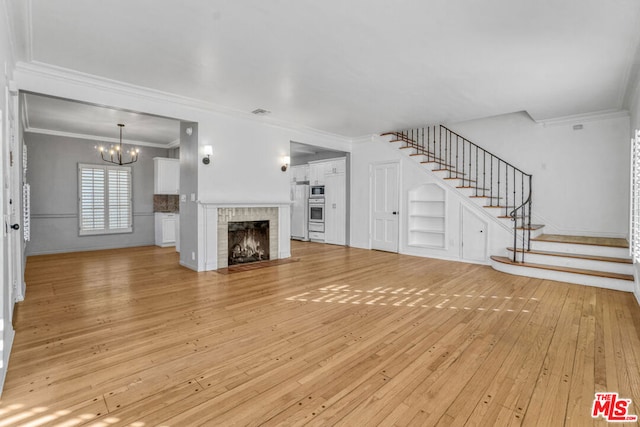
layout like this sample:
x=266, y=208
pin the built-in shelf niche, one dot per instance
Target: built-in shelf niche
x=427, y=216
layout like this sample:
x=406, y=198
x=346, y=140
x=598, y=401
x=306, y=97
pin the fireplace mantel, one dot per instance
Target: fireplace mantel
x=214, y=216
x=236, y=204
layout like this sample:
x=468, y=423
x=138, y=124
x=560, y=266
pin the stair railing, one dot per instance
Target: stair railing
x=488, y=176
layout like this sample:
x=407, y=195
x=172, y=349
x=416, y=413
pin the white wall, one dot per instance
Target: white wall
x=367, y=152
x=580, y=177
x=247, y=151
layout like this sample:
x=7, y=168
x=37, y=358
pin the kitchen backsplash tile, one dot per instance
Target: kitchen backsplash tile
x=166, y=203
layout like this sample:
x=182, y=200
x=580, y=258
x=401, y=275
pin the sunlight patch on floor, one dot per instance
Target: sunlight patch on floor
x=21, y=415
x=402, y=297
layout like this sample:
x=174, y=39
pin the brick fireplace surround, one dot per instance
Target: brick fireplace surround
x=216, y=217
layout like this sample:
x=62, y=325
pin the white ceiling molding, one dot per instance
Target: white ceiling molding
x=106, y=140
x=584, y=118
x=82, y=79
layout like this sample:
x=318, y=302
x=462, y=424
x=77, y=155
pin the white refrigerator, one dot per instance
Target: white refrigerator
x=299, y=211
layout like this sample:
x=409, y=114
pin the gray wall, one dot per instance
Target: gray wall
x=52, y=172
x=189, y=158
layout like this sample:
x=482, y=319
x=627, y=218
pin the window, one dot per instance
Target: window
x=635, y=197
x=104, y=199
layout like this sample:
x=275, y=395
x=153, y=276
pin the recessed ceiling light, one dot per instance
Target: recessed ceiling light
x=260, y=112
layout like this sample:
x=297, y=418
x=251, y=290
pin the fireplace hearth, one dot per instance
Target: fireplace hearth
x=248, y=242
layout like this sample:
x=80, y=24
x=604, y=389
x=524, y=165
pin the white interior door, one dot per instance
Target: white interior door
x=474, y=236
x=13, y=203
x=384, y=206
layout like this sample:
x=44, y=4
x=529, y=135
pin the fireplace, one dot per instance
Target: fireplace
x=248, y=241
x=228, y=219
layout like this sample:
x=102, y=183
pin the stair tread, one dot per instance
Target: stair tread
x=422, y=151
x=437, y=162
x=460, y=178
x=578, y=256
x=450, y=170
x=471, y=187
x=596, y=273
x=583, y=240
x=531, y=227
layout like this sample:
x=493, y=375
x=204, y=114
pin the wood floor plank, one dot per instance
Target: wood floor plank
x=477, y=400
x=343, y=336
x=557, y=370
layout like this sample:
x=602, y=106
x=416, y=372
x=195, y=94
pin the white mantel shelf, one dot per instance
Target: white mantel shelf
x=224, y=204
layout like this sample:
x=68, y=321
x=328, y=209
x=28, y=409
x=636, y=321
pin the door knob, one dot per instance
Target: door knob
x=395, y=213
x=16, y=226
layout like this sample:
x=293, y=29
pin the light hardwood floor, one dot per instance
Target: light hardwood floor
x=341, y=337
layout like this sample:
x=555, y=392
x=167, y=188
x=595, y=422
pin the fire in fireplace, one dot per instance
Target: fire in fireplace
x=248, y=241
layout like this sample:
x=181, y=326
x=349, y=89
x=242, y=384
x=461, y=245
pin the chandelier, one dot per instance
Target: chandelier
x=116, y=153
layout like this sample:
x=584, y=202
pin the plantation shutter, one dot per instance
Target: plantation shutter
x=119, y=199
x=104, y=199
x=92, y=199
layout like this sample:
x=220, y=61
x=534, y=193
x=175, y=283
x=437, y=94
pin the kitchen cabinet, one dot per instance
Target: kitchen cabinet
x=167, y=226
x=335, y=166
x=316, y=173
x=166, y=176
x=300, y=173
x=335, y=221
x=177, y=233
x=319, y=170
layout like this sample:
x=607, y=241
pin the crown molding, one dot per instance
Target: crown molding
x=363, y=139
x=583, y=118
x=95, y=138
x=43, y=70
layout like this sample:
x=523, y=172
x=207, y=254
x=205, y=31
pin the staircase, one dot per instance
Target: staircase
x=591, y=261
x=506, y=193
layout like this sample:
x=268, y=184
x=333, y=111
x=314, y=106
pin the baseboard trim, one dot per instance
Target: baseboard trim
x=102, y=248
x=189, y=266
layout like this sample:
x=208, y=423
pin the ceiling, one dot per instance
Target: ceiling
x=55, y=116
x=355, y=67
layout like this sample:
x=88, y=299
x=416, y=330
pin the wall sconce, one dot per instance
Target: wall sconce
x=208, y=151
x=285, y=163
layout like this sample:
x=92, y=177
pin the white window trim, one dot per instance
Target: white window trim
x=105, y=230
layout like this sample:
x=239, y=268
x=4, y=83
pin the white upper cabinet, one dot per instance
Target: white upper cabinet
x=335, y=166
x=300, y=173
x=323, y=168
x=316, y=173
x=166, y=176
